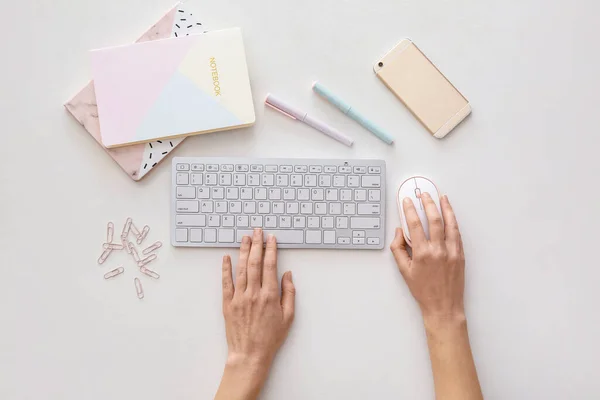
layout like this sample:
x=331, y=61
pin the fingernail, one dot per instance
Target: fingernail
x=444, y=197
x=246, y=239
x=270, y=238
x=289, y=273
x=407, y=200
x=257, y=231
x=426, y=195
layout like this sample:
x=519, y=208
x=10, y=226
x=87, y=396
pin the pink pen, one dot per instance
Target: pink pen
x=301, y=116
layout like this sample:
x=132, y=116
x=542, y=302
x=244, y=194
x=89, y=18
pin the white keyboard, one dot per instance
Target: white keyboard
x=305, y=203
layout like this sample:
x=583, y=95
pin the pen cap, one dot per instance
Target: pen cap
x=332, y=98
x=284, y=107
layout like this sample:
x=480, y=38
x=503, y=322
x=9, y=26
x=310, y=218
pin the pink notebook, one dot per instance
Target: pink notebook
x=139, y=159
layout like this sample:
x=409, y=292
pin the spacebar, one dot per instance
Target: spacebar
x=282, y=236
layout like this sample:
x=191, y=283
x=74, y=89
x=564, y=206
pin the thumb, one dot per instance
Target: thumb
x=288, y=297
x=400, y=253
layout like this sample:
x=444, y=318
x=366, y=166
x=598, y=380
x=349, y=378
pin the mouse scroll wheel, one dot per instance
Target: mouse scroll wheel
x=418, y=193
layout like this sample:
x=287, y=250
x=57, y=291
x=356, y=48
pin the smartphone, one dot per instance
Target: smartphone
x=423, y=89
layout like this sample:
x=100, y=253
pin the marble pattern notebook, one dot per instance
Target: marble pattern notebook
x=136, y=160
x=171, y=88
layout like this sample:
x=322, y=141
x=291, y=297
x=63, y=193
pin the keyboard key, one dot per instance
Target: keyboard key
x=228, y=220
x=256, y=221
x=360, y=195
x=300, y=168
x=324, y=180
x=296, y=180
x=313, y=237
x=274, y=194
x=271, y=168
x=369, y=209
x=268, y=180
x=358, y=240
x=317, y=194
x=235, y=207
x=360, y=170
x=187, y=206
x=246, y=193
x=345, y=194
x=320, y=208
x=239, y=179
x=303, y=194
x=212, y=167
x=353, y=181
x=299, y=222
x=214, y=220
x=344, y=169
x=364, y=223
x=264, y=207
x=183, y=178
x=330, y=168
x=242, y=221
x=211, y=179
x=270, y=221
x=183, y=167
x=373, y=240
x=335, y=208
x=232, y=193
x=329, y=237
x=285, y=168
x=327, y=222
x=210, y=235
x=289, y=194
x=374, y=170
x=306, y=208
x=195, y=235
x=221, y=207
x=341, y=222
x=358, y=234
x=197, y=179
x=207, y=206
x=249, y=207
x=349, y=208
x=260, y=193
x=190, y=220
x=227, y=168
x=344, y=240
x=224, y=179
x=203, y=192
x=374, y=195
x=197, y=167
x=285, y=221
x=253, y=179
x=369, y=181
x=310, y=180
x=256, y=168
x=186, y=192
x=282, y=236
x=217, y=193
x=181, y=235
x=278, y=207
x=241, y=168
x=313, y=222
x=331, y=194
x=282, y=180
x=291, y=208
x=226, y=235
x=339, y=181
x=315, y=168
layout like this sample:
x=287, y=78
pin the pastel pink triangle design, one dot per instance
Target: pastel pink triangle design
x=124, y=96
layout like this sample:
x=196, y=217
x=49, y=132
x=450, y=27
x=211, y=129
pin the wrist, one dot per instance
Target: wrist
x=444, y=322
x=252, y=369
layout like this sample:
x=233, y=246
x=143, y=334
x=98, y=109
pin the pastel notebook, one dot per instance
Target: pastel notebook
x=172, y=88
x=137, y=160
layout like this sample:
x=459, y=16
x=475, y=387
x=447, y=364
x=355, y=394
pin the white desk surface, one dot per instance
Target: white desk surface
x=521, y=172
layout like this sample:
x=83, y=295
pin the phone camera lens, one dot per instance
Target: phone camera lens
x=380, y=64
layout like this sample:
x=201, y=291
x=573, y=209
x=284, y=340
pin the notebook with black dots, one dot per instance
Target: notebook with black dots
x=137, y=160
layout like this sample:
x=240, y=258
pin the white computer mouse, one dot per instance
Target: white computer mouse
x=412, y=188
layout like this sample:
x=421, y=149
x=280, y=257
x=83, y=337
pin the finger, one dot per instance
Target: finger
x=434, y=219
x=255, y=261
x=227, y=280
x=288, y=297
x=417, y=235
x=451, y=225
x=269, y=278
x=242, y=268
x=400, y=253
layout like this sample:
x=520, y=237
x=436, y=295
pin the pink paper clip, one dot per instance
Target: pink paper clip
x=125, y=244
x=143, y=235
x=126, y=228
x=147, y=260
x=104, y=256
x=134, y=252
x=114, y=272
x=110, y=231
x=135, y=231
x=151, y=248
x=138, y=288
x=149, y=272
x=112, y=246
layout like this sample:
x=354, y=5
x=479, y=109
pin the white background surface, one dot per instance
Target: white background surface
x=521, y=172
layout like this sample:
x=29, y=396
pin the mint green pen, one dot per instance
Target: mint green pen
x=352, y=113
